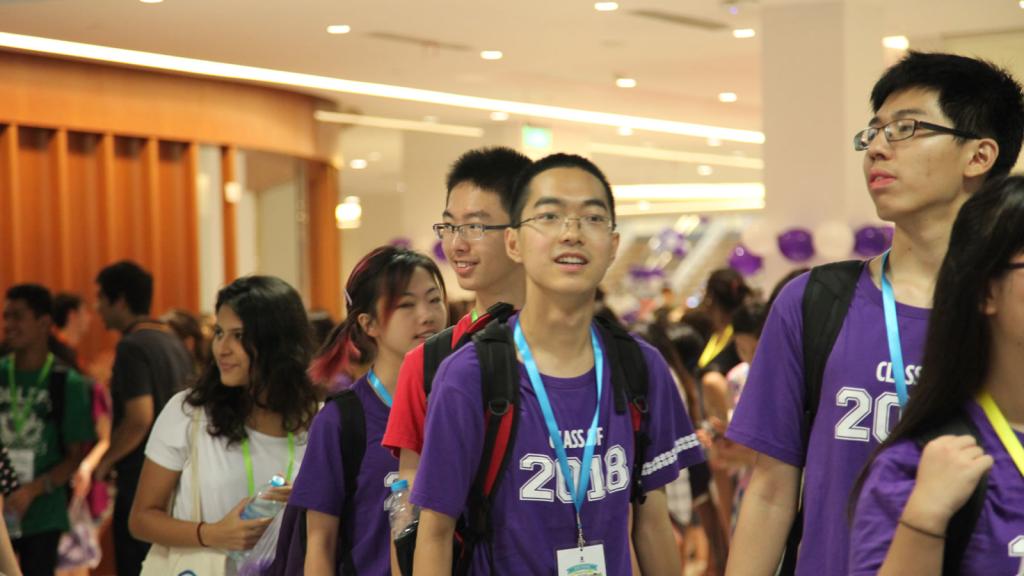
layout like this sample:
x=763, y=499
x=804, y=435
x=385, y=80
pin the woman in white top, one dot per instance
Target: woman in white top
x=254, y=402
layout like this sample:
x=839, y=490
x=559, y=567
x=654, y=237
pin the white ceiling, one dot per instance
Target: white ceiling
x=559, y=52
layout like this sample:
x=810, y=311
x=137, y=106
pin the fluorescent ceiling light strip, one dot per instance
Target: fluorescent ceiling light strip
x=398, y=124
x=677, y=156
x=676, y=192
x=294, y=79
x=692, y=207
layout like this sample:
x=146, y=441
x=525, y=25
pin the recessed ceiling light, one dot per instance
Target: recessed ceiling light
x=896, y=42
x=339, y=29
x=1021, y=4
x=727, y=97
x=357, y=164
x=151, y=1
x=744, y=33
x=431, y=119
x=606, y=6
x=705, y=170
x=643, y=205
x=491, y=55
x=714, y=142
x=499, y=116
x=625, y=82
x=625, y=131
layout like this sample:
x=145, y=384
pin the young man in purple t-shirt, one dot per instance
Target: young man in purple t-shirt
x=943, y=125
x=564, y=236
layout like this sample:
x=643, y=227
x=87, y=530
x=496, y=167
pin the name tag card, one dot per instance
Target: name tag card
x=23, y=462
x=586, y=562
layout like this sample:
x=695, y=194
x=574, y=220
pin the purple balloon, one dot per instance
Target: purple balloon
x=744, y=261
x=439, y=252
x=872, y=240
x=400, y=242
x=796, y=245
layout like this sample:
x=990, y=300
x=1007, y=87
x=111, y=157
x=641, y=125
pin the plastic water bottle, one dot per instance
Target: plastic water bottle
x=13, y=524
x=259, y=507
x=400, y=512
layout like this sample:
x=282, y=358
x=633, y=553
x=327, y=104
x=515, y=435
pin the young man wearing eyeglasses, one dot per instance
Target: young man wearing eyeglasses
x=478, y=204
x=943, y=125
x=567, y=424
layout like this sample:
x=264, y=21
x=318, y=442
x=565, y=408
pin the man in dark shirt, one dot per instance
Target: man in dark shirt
x=150, y=365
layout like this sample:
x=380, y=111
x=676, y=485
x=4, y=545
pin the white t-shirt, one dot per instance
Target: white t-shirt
x=222, y=475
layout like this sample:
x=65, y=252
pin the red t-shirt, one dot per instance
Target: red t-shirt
x=409, y=405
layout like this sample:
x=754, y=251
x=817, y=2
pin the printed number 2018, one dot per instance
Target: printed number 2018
x=608, y=474
x=849, y=426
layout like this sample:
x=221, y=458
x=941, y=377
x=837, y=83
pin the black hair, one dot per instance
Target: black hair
x=128, y=280
x=657, y=335
x=381, y=277
x=64, y=303
x=749, y=318
x=987, y=234
x=777, y=289
x=551, y=162
x=976, y=95
x=277, y=338
x=186, y=325
x=727, y=289
x=322, y=323
x=491, y=169
x=35, y=296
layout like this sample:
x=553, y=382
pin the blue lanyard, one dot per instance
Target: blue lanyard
x=381, y=390
x=549, y=419
x=892, y=330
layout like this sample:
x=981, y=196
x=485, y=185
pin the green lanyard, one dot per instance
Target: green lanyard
x=248, y=463
x=19, y=406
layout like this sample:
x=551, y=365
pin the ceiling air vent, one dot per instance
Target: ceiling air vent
x=426, y=43
x=679, y=19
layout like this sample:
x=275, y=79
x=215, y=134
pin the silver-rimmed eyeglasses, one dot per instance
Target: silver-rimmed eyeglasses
x=551, y=223
x=468, y=232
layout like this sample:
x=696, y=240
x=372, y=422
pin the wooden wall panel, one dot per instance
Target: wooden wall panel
x=324, y=242
x=87, y=207
x=37, y=209
x=8, y=201
x=130, y=202
x=229, y=173
x=178, y=260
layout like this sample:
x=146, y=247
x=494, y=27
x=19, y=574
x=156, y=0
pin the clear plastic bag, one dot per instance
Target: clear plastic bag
x=258, y=560
x=79, y=548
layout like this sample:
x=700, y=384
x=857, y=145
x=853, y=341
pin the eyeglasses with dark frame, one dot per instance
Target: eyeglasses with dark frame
x=551, y=223
x=903, y=129
x=468, y=232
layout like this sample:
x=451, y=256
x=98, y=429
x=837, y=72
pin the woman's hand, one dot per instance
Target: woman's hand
x=81, y=482
x=278, y=494
x=234, y=533
x=950, y=469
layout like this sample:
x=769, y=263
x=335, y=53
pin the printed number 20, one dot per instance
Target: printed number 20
x=849, y=426
x=610, y=474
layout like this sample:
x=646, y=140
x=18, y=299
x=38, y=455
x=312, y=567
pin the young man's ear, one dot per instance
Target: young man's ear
x=512, y=248
x=984, y=153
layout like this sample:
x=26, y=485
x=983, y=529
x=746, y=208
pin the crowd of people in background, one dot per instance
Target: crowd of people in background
x=858, y=418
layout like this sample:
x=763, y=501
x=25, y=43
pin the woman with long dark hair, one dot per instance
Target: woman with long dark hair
x=396, y=300
x=972, y=372
x=245, y=421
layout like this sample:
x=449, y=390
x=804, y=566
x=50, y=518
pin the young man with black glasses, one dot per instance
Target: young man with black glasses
x=572, y=466
x=943, y=125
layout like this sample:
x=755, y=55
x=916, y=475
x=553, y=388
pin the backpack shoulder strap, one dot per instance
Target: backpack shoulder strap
x=961, y=525
x=825, y=303
x=435, y=350
x=353, y=447
x=630, y=384
x=499, y=382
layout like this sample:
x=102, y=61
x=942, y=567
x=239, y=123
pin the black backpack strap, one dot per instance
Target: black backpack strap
x=435, y=350
x=499, y=380
x=961, y=525
x=353, y=447
x=826, y=301
x=629, y=383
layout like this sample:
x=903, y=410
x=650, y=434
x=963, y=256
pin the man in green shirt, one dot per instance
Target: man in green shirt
x=46, y=423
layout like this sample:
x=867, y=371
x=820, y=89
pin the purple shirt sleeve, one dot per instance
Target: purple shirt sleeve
x=320, y=484
x=770, y=415
x=454, y=436
x=885, y=493
x=674, y=445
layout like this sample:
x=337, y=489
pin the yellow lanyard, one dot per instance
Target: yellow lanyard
x=1003, y=430
x=716, y=344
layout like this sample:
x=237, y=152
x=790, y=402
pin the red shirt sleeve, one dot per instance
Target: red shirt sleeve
x=408, y=408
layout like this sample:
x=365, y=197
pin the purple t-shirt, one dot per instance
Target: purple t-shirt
x=997, y=545
x=533, y=515
x=320, y=484
x=858, y=408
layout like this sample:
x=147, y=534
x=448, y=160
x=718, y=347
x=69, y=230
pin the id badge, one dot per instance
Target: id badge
x=586, y=562
x=23, y=461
